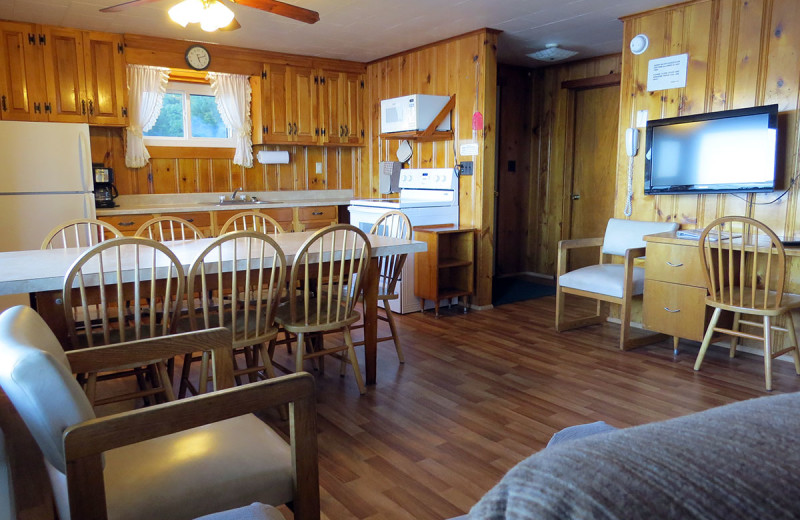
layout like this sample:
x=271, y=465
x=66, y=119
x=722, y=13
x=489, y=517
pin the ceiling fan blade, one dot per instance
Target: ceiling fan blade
x=125, y=5
x=231, y=26
x=282, y=9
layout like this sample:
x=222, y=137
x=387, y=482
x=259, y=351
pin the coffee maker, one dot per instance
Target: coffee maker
x=104, y=190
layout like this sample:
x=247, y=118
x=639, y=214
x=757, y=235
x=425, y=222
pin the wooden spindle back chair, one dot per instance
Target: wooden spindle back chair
x=252, y=221
x=163, y=229
x=82, y=232
x=744, y=264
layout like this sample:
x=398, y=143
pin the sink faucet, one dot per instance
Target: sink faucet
x=233, y=197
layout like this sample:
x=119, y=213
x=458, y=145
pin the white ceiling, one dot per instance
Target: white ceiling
x=365, y=30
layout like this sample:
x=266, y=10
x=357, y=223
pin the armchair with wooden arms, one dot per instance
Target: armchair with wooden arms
x=605, y=281
x=180, y=459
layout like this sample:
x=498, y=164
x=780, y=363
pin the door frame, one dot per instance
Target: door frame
x=573, y=87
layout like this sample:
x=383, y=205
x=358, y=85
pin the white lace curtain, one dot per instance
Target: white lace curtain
x=233, y=94
x=146, y=88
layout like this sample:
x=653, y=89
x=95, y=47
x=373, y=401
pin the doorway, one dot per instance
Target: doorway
x=591, y=156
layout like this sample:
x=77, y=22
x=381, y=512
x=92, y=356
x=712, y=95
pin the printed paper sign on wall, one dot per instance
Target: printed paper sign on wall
x=668, y=72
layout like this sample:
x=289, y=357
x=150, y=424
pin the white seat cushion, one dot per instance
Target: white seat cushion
x=607, y=279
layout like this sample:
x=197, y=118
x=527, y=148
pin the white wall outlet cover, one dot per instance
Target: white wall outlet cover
x=639, y=43
x=641, y=118
x=319, y=167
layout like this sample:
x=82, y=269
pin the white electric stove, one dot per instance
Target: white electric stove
x=427, y=197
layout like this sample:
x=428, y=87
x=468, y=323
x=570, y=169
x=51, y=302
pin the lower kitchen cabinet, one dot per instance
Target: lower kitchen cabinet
x=446, y=270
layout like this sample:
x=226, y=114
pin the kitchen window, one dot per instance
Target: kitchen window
x=189, y=117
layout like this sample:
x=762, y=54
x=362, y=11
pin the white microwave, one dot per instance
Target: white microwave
x=413, y=112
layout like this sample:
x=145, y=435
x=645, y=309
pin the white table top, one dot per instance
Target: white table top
x=44, y=270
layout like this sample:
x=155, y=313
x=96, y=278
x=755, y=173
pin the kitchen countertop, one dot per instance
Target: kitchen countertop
x=190, y=202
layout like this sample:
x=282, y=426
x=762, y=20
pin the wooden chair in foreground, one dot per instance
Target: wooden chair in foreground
x=252, y=221
x=328, y=270
x=176, y=460
x=244, y=301
x=79, y=233
x=393, y=224
x=608, y=282
x=163, y=229
x=745, y=274
x=120, y=290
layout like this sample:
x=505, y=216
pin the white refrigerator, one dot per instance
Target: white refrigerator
x=45, y=180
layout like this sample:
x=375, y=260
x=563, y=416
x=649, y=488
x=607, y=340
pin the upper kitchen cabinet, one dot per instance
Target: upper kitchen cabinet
x=106, y=89
x=341, y=107
x=22, y=90
x=288, y=106
x=64, y=75
x=307, y=105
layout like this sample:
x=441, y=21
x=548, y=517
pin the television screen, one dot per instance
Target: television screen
x=719, y=152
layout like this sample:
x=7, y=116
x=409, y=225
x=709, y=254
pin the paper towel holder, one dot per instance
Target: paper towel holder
x=273, y=157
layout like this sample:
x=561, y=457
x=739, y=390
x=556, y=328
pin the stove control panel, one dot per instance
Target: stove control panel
x=432, y=179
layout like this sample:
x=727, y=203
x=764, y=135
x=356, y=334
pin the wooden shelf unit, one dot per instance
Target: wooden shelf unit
x=430, y=133
x=446, y=269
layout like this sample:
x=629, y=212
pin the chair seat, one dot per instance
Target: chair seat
x=241, y=459
x=284, y=319
x=607, y=279
x=789, y=301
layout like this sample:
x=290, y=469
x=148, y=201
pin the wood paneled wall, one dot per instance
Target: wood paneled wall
x=742, y=53
x=191, y=170
x=196, y=170
x=548, y=189
x=467, y=67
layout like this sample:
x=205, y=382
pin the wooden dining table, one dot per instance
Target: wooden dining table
x=40, y=273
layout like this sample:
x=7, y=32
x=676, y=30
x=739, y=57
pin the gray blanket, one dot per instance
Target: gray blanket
x=740, y=461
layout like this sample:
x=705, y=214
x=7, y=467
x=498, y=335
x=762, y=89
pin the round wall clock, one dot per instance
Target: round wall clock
x=197, y=57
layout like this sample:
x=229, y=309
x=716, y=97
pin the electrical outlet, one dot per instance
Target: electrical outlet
x=466, y=168
x=319, y=167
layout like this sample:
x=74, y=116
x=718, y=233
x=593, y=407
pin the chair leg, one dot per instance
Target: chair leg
x=91, y=388
x=166, y=381
x=266, y=357
x=298, y=364
x=203, y=374
x=707, y=338
x=625, y=325
x=184, y=385
x=735, y=339
x=393, y=328
x=354, y=360
x=793, y=339
x=559, y=307
x=768, y=352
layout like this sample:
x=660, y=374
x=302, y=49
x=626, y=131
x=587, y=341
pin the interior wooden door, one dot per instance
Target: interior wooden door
x=594, y=164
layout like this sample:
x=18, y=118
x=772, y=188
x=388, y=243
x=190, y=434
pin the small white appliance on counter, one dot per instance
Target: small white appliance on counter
x=45, y=180
x=427, y=197
x=413, y=112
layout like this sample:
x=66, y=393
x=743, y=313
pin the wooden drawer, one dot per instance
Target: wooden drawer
x=282, y=215
x=328, y=213
x=201, y=219
x=674, y=263
x=674, y=309
x=127, y=224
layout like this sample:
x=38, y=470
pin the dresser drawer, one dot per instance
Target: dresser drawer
x=674, y=309
x=674, y=263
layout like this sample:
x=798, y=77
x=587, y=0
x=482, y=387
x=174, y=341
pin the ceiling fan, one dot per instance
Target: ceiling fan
x=270, y=6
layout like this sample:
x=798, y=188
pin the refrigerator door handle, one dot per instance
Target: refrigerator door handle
x=85, y=159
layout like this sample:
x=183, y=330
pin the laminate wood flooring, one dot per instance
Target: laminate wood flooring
x=481, y=391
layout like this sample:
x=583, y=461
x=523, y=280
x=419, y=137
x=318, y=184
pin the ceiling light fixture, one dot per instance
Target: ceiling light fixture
x=210, y=14
x=552, y=52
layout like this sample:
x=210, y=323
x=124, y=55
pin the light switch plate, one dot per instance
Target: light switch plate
x=319, y=167
x=641, y=118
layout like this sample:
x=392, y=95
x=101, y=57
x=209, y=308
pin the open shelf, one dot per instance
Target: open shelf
x=446, y=269
x=430, y=133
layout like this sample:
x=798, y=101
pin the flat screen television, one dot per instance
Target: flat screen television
x=733, y=151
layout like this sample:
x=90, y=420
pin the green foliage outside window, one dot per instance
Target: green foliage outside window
x=170, y=120
x=205, y=118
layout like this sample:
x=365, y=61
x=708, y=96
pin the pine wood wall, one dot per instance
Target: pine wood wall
x=548, y=190
x=467, y=67
x=191, y=170
x=742, y=53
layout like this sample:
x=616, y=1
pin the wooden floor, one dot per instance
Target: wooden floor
x=481, y=391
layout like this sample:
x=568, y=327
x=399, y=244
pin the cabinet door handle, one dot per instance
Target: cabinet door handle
x=37, y=107
x=4, y=103
x=189, y=220
x=125, y=224
x=83, y=106
x=674, y=265
x=670, y=310
x=346, y=131
x=91, y=107
x=295, y=128
x=341, y=131
x=48, y=107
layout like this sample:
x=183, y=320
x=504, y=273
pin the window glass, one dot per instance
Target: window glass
x=206, y=121
x=170, y=120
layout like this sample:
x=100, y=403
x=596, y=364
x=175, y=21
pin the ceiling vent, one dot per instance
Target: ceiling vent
x=552, y=52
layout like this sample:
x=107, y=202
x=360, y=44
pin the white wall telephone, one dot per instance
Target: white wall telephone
x=632, y=141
